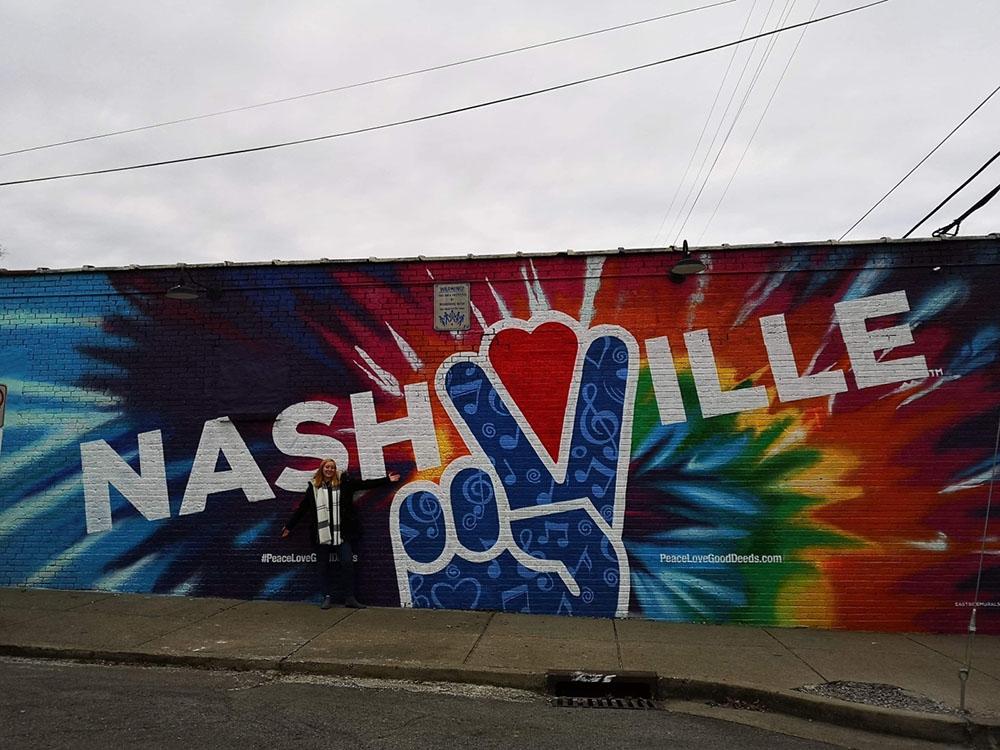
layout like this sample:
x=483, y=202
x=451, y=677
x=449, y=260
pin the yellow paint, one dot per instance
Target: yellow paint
x=806, y=600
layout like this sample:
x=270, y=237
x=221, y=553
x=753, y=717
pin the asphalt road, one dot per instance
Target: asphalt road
x=83, y=707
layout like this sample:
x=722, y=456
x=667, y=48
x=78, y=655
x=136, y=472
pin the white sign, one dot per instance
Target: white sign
x=451, y=307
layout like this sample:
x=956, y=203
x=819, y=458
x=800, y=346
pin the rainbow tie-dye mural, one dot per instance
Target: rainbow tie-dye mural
x=802, y=435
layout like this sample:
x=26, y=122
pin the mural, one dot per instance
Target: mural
x=546, y=536
x=800, y=436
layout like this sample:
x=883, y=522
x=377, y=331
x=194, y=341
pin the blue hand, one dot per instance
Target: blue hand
x=511, y=528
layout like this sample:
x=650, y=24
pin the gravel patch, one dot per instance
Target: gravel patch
x=441, y=688
x=875, y=694
x=738, y=704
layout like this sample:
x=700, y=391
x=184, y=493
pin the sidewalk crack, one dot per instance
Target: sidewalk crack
x=808, y=665
x=476, y=644
x=307, y=641
x=931, y=648
x=618, y=644
x=189, y=623
x=87, y=604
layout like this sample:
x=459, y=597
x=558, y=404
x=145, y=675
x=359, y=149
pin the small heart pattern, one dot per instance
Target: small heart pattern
x=461, y=595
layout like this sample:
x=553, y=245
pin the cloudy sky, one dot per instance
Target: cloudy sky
x=612, y=163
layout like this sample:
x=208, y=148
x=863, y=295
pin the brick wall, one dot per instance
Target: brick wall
x=803, y=435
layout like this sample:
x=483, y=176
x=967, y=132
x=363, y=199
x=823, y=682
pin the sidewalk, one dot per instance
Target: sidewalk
x=694, y=662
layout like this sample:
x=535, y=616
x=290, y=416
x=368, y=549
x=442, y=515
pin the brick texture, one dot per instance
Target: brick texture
x=802, y=435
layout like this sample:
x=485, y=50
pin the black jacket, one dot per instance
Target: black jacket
x=350, y=529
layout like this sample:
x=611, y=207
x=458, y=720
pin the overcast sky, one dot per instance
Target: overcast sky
x=595, y=166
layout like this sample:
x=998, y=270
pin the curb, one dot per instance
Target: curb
x=913, y=724
x=495, y=677
x=198, y=661
x=936, y=728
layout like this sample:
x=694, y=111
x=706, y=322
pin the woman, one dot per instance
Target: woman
x=328, y=504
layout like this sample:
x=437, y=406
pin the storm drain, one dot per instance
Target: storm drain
x=574, y=689
x=634, y=703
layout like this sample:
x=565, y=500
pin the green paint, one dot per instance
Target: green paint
x=758, y=473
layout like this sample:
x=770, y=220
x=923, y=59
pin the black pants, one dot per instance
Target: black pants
x=327, y=579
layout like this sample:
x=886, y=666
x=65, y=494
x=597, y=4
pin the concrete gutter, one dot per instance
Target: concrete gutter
x=727, y=665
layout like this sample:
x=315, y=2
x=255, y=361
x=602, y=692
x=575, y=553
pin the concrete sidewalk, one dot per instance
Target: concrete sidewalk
x=758, y=665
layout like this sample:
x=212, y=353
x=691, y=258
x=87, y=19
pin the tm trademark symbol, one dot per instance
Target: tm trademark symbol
x=936, y=373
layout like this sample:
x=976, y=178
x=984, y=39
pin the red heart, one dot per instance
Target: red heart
x=537, y=369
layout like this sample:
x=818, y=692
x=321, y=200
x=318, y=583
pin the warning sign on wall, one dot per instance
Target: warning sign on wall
x=451, y=307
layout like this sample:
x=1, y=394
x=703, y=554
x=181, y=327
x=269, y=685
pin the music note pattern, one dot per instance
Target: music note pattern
x=505, y=585
x=596, y=433
x=876, y=499
x=567, y=559
x=474, y=504
x=421, y=522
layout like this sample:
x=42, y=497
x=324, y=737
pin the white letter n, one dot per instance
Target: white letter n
x=147, y=491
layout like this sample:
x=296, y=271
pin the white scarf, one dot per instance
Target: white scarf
x=327, y=527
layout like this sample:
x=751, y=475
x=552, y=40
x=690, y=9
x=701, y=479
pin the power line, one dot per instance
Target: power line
x=715, y=136
x=739, y=111
x=986, y=520
x=952, y=229
x=964, y=672
x=756, y=128
x=704, y=129
x=954, y=192
x=369, y=82
x=436, y=115
x=915, y=168
x=718, y=129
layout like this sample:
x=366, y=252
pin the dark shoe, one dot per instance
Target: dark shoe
x=353, y=603
x=327, y=603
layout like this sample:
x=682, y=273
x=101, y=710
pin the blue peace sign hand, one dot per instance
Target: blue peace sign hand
x=511, y=528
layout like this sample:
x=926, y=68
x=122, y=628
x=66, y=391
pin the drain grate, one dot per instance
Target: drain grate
x=575, y=689
x=576, y=684
x=633, y=703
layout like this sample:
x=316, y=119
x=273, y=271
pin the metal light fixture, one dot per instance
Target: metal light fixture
x=182, y=291
x=191, y=289
x=688, y=265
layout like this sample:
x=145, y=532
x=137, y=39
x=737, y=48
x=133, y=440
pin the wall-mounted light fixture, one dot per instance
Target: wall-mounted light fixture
x=191, y=289
x=688, y=265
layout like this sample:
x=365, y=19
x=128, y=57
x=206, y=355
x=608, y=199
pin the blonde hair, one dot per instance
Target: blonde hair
x=318, y=477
